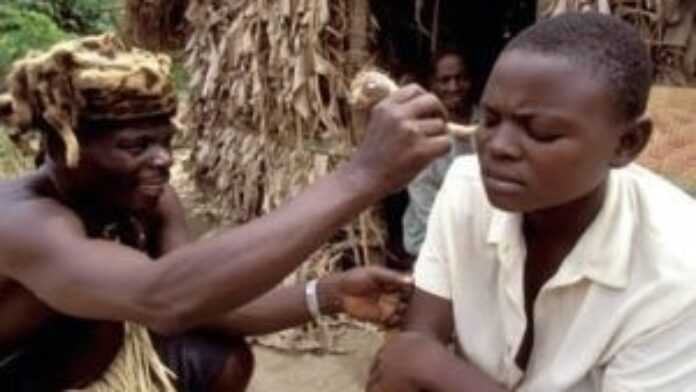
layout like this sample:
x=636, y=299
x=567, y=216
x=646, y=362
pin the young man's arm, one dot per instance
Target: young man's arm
x=418, y=359
x=660, y=359
x=45, y=247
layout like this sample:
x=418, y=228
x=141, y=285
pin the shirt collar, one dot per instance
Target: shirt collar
x=602, y=254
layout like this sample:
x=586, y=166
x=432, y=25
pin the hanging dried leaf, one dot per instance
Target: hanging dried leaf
x=270, y=113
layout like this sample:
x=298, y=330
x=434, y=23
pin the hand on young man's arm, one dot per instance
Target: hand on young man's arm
x=372, y=294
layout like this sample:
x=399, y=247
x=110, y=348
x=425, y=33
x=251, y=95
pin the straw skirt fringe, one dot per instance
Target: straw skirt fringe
x=136, y=368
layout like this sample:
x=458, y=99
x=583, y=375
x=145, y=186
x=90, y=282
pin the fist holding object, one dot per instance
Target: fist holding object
x=370, y=87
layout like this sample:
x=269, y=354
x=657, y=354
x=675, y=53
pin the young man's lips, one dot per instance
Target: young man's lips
x=502, y=183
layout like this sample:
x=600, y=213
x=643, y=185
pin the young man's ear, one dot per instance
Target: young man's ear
x=632, y=141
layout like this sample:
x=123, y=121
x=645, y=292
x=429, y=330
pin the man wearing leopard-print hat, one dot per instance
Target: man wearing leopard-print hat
x=101, y=287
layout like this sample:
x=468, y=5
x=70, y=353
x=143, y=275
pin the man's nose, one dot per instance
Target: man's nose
x=161, y=157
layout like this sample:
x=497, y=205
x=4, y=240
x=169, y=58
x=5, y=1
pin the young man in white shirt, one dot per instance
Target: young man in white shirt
x=557, y=263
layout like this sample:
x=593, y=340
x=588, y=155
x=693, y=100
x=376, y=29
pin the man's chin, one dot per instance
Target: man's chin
x=144, y=204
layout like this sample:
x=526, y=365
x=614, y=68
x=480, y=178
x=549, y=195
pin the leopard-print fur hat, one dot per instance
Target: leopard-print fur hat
x=92, y=78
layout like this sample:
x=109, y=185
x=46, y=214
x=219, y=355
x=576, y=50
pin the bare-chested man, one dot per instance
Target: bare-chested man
x=95, y=237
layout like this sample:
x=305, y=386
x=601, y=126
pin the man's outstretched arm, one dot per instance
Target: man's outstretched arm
x=46, y=249
x=373, y=294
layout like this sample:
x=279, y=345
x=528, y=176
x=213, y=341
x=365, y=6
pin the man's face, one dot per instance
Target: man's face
x=126, y=164
x=451, y=82
x=549, y=130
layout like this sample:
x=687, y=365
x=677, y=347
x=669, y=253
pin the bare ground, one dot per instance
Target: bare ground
x=279, y=371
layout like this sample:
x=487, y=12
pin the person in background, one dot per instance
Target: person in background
x=450, y=81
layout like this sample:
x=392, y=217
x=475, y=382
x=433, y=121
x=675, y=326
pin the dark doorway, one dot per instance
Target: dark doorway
x=479, y=28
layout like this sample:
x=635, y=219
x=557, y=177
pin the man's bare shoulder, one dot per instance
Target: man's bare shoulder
x=29, y=218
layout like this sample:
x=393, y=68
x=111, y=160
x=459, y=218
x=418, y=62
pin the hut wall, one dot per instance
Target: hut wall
x=269, y=84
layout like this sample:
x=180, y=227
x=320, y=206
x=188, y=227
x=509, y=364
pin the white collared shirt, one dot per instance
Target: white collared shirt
x=620, y=313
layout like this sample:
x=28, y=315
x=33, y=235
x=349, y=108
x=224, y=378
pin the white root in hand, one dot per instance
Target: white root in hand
x=370, y=87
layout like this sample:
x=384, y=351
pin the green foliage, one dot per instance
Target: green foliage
x=12, y=162
x=181, y=77
x=76, y=16
x=22, y=30
x=37, y=24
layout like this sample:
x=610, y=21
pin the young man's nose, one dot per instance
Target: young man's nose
x=503, y=142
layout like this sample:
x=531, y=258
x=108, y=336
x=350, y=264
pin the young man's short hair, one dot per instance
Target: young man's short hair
x=609, y=47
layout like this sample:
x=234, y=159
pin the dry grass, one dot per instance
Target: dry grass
x=12, y=162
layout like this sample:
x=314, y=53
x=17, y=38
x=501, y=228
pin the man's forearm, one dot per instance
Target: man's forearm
x=257, y=256
x=281, y=308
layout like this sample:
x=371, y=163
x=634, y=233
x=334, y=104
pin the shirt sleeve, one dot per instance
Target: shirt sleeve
x=661, y=360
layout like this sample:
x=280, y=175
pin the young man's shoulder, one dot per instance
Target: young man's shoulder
x=463, y=187
x=664, y=222
x=658, y=205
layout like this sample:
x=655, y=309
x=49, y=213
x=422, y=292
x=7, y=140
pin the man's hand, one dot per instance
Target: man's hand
x=404, y=363
x=405, y=132
x=371, y=294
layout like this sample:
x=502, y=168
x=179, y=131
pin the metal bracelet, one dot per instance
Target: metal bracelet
x=312, y=298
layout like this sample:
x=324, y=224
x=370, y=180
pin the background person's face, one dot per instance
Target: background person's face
x=549, y=131
x=451, y=82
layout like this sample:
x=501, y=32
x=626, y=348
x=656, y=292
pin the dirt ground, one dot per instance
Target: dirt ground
x=286, y=372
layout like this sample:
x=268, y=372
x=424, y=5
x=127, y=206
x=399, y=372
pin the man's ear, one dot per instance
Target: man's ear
x=632, y=141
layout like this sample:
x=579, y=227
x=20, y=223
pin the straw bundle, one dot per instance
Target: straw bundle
x=269, y=110
x=136, y=368
x=666, y=25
